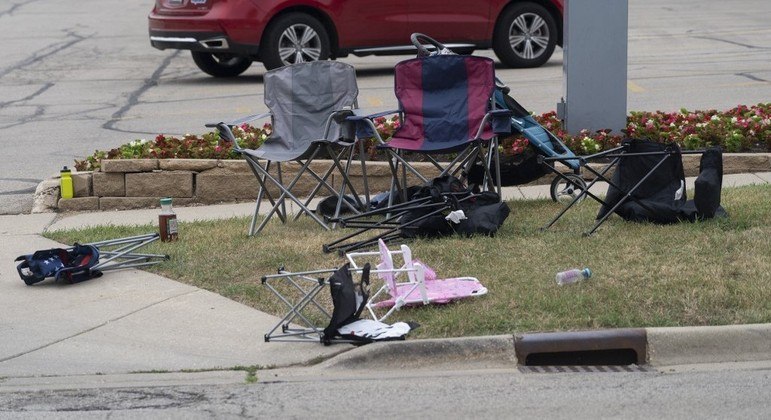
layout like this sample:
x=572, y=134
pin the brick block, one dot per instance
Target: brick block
x=740, y=163
x=159, y=184
x=239, y=166
x=108, y=184
x=79, y=204
x=82, y=184
x=215, y=187
x=129, y=165
x=194, y=165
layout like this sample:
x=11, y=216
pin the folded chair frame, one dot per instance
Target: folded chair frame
x=616, y=155
x=409, y=283
x=107, y=255
x=390, y=226
x=305, y=317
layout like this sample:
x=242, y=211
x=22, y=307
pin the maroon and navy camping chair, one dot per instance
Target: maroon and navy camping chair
x=445, y=108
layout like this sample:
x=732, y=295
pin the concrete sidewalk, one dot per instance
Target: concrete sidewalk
x=133, y=321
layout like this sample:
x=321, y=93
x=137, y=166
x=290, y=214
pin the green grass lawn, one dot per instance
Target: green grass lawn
x=709, y=273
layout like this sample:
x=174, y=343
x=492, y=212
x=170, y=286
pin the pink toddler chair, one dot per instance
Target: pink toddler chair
x=414, y=283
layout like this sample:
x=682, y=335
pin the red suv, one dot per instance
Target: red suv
x=225, y=36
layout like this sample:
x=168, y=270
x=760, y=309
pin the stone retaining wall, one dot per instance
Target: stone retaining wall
x=125, y=184
x=140, y=183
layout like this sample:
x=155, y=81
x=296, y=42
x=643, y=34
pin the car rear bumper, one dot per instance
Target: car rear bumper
x=227, y=27
x=200, y=41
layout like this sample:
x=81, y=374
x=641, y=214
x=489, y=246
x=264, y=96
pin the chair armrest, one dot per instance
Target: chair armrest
x=357, y=116
x=226, y=134
x=501, y=121
x=365, y=126
x=347, y=128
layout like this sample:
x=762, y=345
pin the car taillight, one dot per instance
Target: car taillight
x=184, y=6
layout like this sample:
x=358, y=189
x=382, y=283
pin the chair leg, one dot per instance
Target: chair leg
x=499, y=189
x=261, y=174
x=363, y=159
x=282, y=213
x=322, y=182
x=286, y=193
x=346, y=182
x=123, y=256
x=260, y=194
x=295, y=310
x=585, y=192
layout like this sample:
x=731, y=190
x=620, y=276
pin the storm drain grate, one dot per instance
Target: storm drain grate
x=584, y=369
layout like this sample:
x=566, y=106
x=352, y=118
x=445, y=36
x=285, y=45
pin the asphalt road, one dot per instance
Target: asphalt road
x=80, y=76
x=704, y=394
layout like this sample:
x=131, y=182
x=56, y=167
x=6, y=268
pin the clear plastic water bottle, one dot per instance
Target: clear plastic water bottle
x=572, y=276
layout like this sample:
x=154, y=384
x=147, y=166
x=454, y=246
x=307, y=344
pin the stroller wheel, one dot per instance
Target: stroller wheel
x=565, y=190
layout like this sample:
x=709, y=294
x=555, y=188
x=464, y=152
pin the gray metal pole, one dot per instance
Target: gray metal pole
x=594, y=65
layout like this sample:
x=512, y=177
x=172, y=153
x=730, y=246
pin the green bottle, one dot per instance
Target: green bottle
x=66, y=183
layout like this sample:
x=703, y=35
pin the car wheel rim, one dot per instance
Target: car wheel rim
x=298, y=44
x=529, y=36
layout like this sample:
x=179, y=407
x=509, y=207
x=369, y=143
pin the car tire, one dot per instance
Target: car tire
x=525, y=35
x=221, y=65
x=294, y=38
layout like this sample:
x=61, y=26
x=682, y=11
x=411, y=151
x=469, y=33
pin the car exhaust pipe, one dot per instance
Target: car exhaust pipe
x=215, y=43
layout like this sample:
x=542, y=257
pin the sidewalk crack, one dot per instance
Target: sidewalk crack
x=5, y=359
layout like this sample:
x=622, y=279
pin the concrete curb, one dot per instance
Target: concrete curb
x=660, y=347
x=691, y=345
x=474, y=352
x=675, y=346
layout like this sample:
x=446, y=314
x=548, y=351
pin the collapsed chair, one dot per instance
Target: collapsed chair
x=649, y=184
x=87, y=261
x=308, y=103
x=413, y=283
x=445, y=207
x=305, y=319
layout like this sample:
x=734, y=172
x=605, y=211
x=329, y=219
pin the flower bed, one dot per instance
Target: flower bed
x=741, y=129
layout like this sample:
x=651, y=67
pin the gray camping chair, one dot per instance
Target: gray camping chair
x=308, y=104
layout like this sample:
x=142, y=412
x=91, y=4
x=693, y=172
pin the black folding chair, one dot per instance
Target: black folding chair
x=648, y=184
